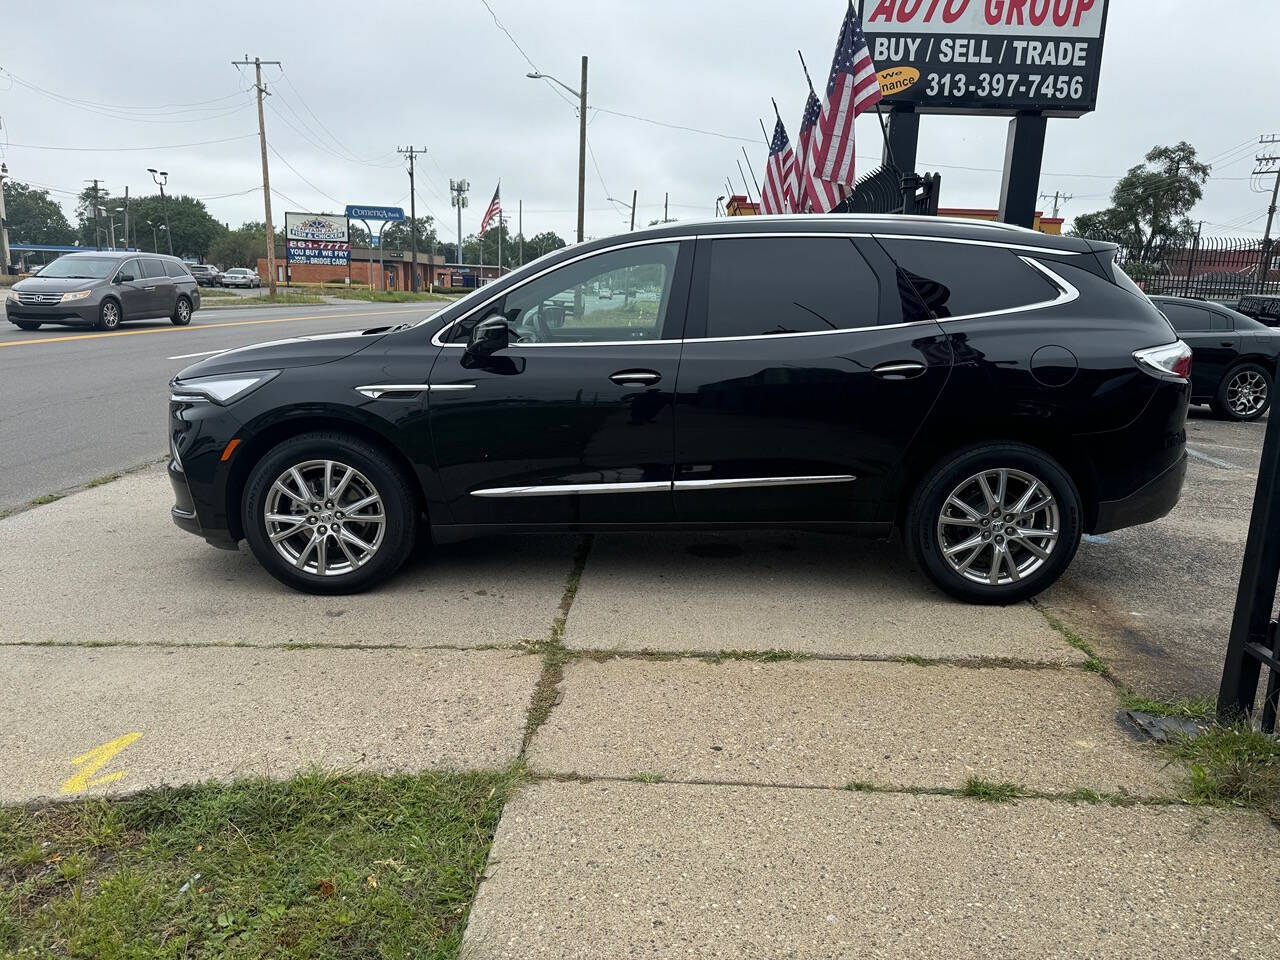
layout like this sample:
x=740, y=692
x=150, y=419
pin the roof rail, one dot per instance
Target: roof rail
x=871, y=218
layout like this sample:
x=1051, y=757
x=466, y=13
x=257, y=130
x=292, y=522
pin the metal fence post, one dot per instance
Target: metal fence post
x=1253, y=639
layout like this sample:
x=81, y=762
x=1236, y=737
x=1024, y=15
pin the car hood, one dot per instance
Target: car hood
x=52, y=285
x=283, y=354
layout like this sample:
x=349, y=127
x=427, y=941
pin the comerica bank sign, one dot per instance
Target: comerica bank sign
x=988, y=56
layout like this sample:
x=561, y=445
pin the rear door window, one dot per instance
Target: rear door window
x=766, y=286
x=176, y=270
x=962, y=279
x=1186, y=319
x=152, y=268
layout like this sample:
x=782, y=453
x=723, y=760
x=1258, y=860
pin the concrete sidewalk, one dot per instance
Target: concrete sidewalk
x=753, y=847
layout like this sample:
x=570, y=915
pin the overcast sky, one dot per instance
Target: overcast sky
x=361, y=78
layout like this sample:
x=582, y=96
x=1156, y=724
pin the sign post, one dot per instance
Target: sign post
x=1026, y=59
x=384, y=215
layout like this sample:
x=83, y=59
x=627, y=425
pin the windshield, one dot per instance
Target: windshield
x=81, y=268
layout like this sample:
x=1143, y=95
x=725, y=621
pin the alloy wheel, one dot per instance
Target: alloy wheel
x=324, y=517
x=1247, y=393
x=998, y=526
x=184, y=311
x=110, y=315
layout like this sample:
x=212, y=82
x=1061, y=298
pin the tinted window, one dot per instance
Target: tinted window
x=132, y=268
x=771, y=285
x=1186, y=319
x=176, y=270
x=152, y=268
x=958, y=279
x=619, y=295
x=80, y=267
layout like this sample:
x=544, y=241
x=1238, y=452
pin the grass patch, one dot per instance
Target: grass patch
x=547, y=690
x=761, y=656
x=282, y=299
x=1236, y=765
x=102, y=481
x=387, y=296
x=649, y=777
x=318, y=866
x=990, y=792
x=1093, y=663
x=1181, y=708
x=46, y=498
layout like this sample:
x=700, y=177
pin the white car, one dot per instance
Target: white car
x=240, y=277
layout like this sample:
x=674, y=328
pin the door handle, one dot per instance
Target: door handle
x=640, y=377
x=903, y=370
x=1226, y=343
x=148, y=288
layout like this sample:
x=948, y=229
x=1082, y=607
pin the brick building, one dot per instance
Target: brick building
x=396, y=267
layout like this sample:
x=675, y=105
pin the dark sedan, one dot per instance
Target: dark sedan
x=1235, y=357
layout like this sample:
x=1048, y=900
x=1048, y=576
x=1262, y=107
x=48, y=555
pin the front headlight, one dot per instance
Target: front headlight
x=11, y=295
x=75, y=295
x=222, y=390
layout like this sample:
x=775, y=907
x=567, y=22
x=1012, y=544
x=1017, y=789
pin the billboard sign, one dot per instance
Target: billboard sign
x=317, y=238
x=993, y=57
x=386, y=214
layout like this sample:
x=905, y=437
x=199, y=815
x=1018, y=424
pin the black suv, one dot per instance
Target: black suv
x=991, y=392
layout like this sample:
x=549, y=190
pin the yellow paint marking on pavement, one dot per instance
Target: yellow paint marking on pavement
x=190, y=330
x=95, y=760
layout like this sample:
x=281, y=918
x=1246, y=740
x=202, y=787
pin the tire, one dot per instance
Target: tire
x=109, y=315
x=296, y=559
x=25, y=324
x=181, y=313
x=933, y=523
x=1244, y=393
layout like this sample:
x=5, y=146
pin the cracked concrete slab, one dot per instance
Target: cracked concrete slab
x=812, y=593
x=70, y=714
x=108, y=565
x=589, y=870
x=822, y=723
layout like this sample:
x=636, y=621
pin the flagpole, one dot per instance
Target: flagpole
x=753, y=173
x=746, y=186
x=884, y=130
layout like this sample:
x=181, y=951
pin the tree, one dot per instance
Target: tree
x=541, y=244
x=194, y=229
x=397, y=236
x=33, y=217
x=1150, y=205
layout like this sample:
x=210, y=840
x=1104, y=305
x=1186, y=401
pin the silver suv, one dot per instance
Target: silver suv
x=103, y=289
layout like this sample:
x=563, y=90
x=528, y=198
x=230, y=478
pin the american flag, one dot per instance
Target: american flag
x=851, y=89
x=815, y=193
x=495, y=209
x=779, y=193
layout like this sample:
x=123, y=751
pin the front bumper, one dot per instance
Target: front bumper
x=85, y=312
x=198, y=433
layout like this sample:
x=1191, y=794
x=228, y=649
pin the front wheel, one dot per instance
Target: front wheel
x=181, y=313
x=1244, y=394
x=995, y=524
x=109, y=315
x=328, y=513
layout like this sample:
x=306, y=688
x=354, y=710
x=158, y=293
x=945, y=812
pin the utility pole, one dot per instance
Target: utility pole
x=458, y=198
x=156, y=175
x=4, y=223
x=520, y=227
x=266, y=176
x=1059, y=199
x=582, y=151
x=1264, y=169
x=665, y=198
x=97, y=243
x=126, y=218
x=410, y=152
x=633, y=210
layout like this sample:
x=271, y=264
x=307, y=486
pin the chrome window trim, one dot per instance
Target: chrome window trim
x=1068, y=293
x=658, y=486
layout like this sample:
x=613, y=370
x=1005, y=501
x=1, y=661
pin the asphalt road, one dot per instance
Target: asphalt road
x=77, y=404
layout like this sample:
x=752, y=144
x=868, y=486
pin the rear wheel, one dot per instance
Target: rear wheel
x=109, y=315
x=995, y=524
x=181, y=313
x=1244, y=393
x=25, y=325
x=328, y=513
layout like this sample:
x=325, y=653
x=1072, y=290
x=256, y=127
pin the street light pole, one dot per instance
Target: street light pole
x=581, y=94
x=4, y=227
x=164, y=203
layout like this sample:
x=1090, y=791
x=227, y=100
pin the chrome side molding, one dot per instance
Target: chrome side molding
x=375, y=391
x=658, y=486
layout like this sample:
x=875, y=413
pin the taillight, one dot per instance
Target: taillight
x=1169, y=362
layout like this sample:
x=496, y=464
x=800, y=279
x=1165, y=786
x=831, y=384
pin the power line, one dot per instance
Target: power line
x=167, y=146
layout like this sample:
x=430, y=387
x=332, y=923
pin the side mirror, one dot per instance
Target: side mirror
x=489, y=336
x=125, y=277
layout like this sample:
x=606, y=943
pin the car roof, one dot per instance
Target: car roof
x=1242, y=320
x=121, y=254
